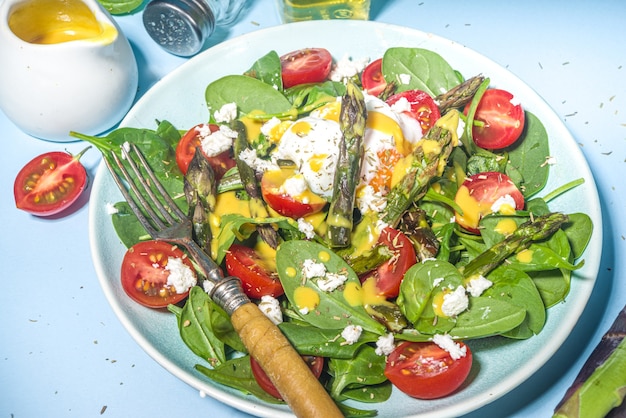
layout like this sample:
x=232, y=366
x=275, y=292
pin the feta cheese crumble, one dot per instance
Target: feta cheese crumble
x=447, y=343
x=259, y=165
x=478, y=285
x=370, y=200
x=311, y=269
x=270, y=306
x=214, y=143
x=331, y=281
x=306, y=228
x=404, y=78
x=347, y=67
x=351, y=333
x=226, y=113
x=385, y=345
x=454, y=303
x=181, y=277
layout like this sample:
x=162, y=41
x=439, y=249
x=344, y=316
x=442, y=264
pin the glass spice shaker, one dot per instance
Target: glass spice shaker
x=182, y=26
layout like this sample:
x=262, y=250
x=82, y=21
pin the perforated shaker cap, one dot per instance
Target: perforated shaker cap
x=179, y=26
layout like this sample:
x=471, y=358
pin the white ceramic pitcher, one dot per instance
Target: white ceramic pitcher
x=64, y=66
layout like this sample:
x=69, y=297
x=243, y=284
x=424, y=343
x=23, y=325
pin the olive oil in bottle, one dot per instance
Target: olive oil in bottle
x=298, y=10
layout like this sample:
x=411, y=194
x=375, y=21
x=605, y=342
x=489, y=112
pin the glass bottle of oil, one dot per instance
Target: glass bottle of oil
x=298, y=10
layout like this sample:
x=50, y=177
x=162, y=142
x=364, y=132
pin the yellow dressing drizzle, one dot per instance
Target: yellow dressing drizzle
x=506, y=226
x=306, y=298
x=525, y=256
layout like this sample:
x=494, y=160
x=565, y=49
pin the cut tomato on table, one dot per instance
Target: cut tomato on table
x=427, y=371
x=480, y=192
x=192, y=139
x=372, y=78
x=50, y=183
x=257, y=278
x=500, y=120
x=422, y=107
x=309, y=65
x=316, y=364
x=145, y=273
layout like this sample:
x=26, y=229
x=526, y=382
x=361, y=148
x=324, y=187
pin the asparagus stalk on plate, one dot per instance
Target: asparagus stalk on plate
x=600, y=387
x=258, y=209
x=352, y=121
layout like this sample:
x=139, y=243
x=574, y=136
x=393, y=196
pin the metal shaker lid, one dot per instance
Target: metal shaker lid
x=179, y=26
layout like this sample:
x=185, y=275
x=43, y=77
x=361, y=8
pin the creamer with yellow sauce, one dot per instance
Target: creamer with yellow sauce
x=66, y=66
x=56, y=21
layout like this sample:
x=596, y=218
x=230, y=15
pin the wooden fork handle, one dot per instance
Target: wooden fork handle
x=304, y=394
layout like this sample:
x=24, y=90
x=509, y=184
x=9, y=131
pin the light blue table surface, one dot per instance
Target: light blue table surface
x=63, y=353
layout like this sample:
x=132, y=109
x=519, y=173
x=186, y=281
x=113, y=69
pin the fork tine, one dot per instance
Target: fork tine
x=127, y=195
x=165, y=219
x=172, y=206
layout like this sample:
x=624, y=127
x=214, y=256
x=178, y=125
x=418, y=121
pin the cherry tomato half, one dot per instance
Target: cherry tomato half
x=479, y=192
x=501, y=120
x=243, y=262
x=423, y=107
x=285, y=204
x=50, y=183
x=186, y=149
x=389, y=275
x=426, y=371
x=372, y=78
x=309, y=65
x=144, y=274
x=316, y=364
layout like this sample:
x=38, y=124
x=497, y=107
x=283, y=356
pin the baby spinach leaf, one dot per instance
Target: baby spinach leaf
x=528, y=156
x=120, y=7
x=416, y=68
x=195, y=326
x=249, y=93
x=578, y=231
x=333, y=310
x=370, y=394
x=517, y=288
x=539, y=257
x=314, y=341
x=237, y=373
x=366, y=368
x=127, y=226
x=486, y=317
x=553, y=285
x=268, y=70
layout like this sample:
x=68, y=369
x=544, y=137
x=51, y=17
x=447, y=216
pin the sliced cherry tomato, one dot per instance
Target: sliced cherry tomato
x=372, y=78
x=423, y=107
x=144, y=274
x=256, y=278
x=479, y=192
x=186, y=149
x=50, y=183
x=389, y=275
x=426, y=371
x=307, y=203
x=501, y=120
x=316, y=364
x=309, y=65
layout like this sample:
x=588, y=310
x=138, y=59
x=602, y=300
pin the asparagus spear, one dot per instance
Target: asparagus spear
x=428, y=157
x=599, y=388
x=537, y=229
x=460, y=95
x=258, y=209
x=201, y=193
x=352, y=120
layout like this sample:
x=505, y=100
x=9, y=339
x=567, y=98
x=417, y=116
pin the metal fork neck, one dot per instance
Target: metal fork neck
x=229, y=295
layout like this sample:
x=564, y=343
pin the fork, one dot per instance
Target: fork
x=165, y=221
